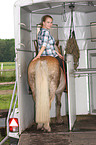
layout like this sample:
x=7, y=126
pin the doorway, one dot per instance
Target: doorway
x=92, y=80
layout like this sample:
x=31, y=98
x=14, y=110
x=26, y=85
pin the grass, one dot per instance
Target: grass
x=5, y=101
x=7, y=87
x=8, y=65
x=7, y=76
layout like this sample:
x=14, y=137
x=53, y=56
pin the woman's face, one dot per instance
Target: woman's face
x=48, y=23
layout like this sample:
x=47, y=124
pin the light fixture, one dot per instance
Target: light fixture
x=13, y=125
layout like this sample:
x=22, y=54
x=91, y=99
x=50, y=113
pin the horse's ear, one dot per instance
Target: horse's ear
x=57, y=42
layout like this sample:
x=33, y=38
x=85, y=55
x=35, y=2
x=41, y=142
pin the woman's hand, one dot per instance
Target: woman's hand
x=62, y=57
x=40, y=52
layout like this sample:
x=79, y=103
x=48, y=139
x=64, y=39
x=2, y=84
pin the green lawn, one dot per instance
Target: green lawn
x=5, y=101
x=8, y=65
x=10, y=76
x=7, y=87
x=7, y=76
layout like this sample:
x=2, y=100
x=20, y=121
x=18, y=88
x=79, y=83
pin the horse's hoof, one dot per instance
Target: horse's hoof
x=47, y=128
x=39, y=126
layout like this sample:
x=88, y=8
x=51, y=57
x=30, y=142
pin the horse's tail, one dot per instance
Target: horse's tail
x=42, y=93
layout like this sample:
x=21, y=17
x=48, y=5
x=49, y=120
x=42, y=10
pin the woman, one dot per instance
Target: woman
x=46, y=43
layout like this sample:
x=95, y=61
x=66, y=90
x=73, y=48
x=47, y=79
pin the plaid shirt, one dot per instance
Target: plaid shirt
x=45, y=39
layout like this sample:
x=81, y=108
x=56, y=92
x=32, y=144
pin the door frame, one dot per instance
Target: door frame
x=71, y=91
x=90, y=52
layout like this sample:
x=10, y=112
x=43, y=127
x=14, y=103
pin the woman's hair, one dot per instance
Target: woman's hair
x=43, y=19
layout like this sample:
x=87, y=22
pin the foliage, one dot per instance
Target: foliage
x=7, y=50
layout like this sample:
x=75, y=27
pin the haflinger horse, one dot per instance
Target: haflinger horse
x=46, y=79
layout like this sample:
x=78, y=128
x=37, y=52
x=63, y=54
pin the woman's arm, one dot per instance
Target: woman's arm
x=56, y=48
x=40, y=52
x=62, y=57
x=44, y=44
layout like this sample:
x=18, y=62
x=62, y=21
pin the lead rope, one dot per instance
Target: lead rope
x=72, y=25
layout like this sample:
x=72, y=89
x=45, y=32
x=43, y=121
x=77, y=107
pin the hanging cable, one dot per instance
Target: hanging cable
x=72, y=25
x=64, y=18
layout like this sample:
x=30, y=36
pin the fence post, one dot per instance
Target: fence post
x=1, y=67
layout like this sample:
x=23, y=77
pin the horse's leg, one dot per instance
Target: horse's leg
x=39, y=126
x=58, y=100
x=42, y=96
x=52, y=89
x=47, y=127
x=31, y=80
x=58, y=108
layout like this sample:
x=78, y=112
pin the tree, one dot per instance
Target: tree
x=7, y=50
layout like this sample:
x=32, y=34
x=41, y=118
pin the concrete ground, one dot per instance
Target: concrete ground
x=83, y=133
x=61, y=138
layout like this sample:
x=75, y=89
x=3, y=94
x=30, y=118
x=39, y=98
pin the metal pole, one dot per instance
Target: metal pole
x=10, y=108
x=14, y=105
x=85, y=71
x=4, y=140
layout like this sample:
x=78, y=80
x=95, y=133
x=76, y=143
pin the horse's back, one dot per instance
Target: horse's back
x=52, y=63
x=53, y=71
